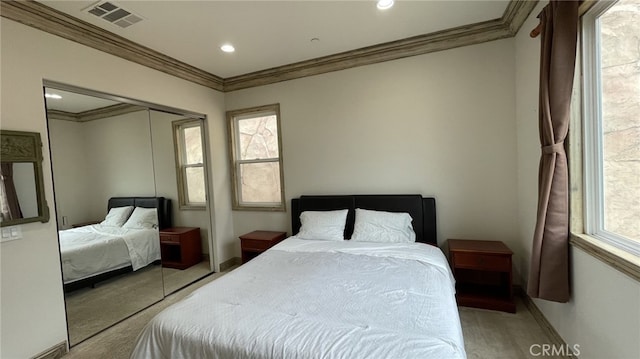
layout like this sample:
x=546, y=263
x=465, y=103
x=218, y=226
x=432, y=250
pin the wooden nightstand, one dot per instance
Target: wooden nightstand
x=180, y=246
x=483, y=274
x=257, y=242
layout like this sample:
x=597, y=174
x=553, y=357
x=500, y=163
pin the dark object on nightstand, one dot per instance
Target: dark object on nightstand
x=257, y=242
x=181, y=247
x=483, y=274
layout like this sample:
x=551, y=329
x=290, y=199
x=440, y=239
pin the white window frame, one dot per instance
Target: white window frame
x=234, y=153
x=594, y=222
x=181, y=165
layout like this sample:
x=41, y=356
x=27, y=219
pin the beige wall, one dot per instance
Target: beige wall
x=603, y=316
x=118, y=159
x=32, y=307
x=439, y=125
x=69, y=160
x=99, y=159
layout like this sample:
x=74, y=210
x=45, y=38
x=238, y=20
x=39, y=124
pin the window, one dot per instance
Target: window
x=254, y=137
x=189, y=147
x=611, y=58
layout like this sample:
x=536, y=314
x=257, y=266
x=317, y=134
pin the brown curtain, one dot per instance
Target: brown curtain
x=549, y=272
x=6, y=171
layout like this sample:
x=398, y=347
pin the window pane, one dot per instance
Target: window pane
x=260, y=182
x=193, y=145
x=258, y=137
x=620, y=79
x=195, y=185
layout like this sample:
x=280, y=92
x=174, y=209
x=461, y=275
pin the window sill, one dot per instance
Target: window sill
x=192, y=208
x=624, y=262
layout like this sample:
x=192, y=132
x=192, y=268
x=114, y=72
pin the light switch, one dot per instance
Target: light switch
x=11, y=233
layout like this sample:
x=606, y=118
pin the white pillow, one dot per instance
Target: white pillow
x=117, y=216
x=328, y=225
x=381, y=226
x=143, y=218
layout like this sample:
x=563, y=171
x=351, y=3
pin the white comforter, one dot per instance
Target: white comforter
x=91, y=250
x=317, y=299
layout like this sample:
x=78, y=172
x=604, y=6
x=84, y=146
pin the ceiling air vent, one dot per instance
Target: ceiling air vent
x=113, y=13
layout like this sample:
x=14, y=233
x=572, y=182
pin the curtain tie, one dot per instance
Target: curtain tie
x=555, y=148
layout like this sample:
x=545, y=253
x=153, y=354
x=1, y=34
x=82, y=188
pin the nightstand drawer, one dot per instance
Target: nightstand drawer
x=482, y=262
x=257, y=245
x=169, y=238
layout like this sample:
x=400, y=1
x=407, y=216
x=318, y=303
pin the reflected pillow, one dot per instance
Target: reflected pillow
x=384, y=227
x=326, y=225
x=142, y=218
x=117, y=216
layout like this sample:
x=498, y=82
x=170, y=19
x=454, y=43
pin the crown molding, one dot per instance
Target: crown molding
x=47, y=19
x=50, y=20
x=418, y=45
x=95, y=114
x=517, y=13
x=62, y=115
x=507, y=26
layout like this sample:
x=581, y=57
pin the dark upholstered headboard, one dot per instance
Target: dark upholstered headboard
x=162, y=204
x=422, y=210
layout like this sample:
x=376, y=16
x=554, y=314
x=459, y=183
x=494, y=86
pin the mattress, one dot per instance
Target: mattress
x=317, y=299
x=91, y=250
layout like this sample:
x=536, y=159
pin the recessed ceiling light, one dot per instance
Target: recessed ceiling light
x=384, y=4
x=227, y=48
x=53, y=96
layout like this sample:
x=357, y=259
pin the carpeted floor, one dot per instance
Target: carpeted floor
x=90, y=310
x=175, y=279
x=488, y=334
x=491, y=334
x=117, y=341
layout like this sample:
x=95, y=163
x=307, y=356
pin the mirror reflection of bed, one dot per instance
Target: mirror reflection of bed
x=104, y=153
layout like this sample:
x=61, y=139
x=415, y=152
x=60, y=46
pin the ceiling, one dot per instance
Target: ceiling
x=74, y=103
x=268, y=34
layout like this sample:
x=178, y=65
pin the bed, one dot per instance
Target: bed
x=309, y=298
x=93, y=253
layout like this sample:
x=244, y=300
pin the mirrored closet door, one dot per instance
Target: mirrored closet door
x=116, y=260
x=179, y=165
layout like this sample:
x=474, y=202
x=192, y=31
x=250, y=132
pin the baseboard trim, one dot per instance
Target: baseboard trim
x=230, y=263
x=55, y=352
x=537, y=314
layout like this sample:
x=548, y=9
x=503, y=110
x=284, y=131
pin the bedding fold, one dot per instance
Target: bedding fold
x=95, y=249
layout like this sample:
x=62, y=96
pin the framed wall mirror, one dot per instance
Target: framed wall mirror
x=109, y=153
x=21, y=182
